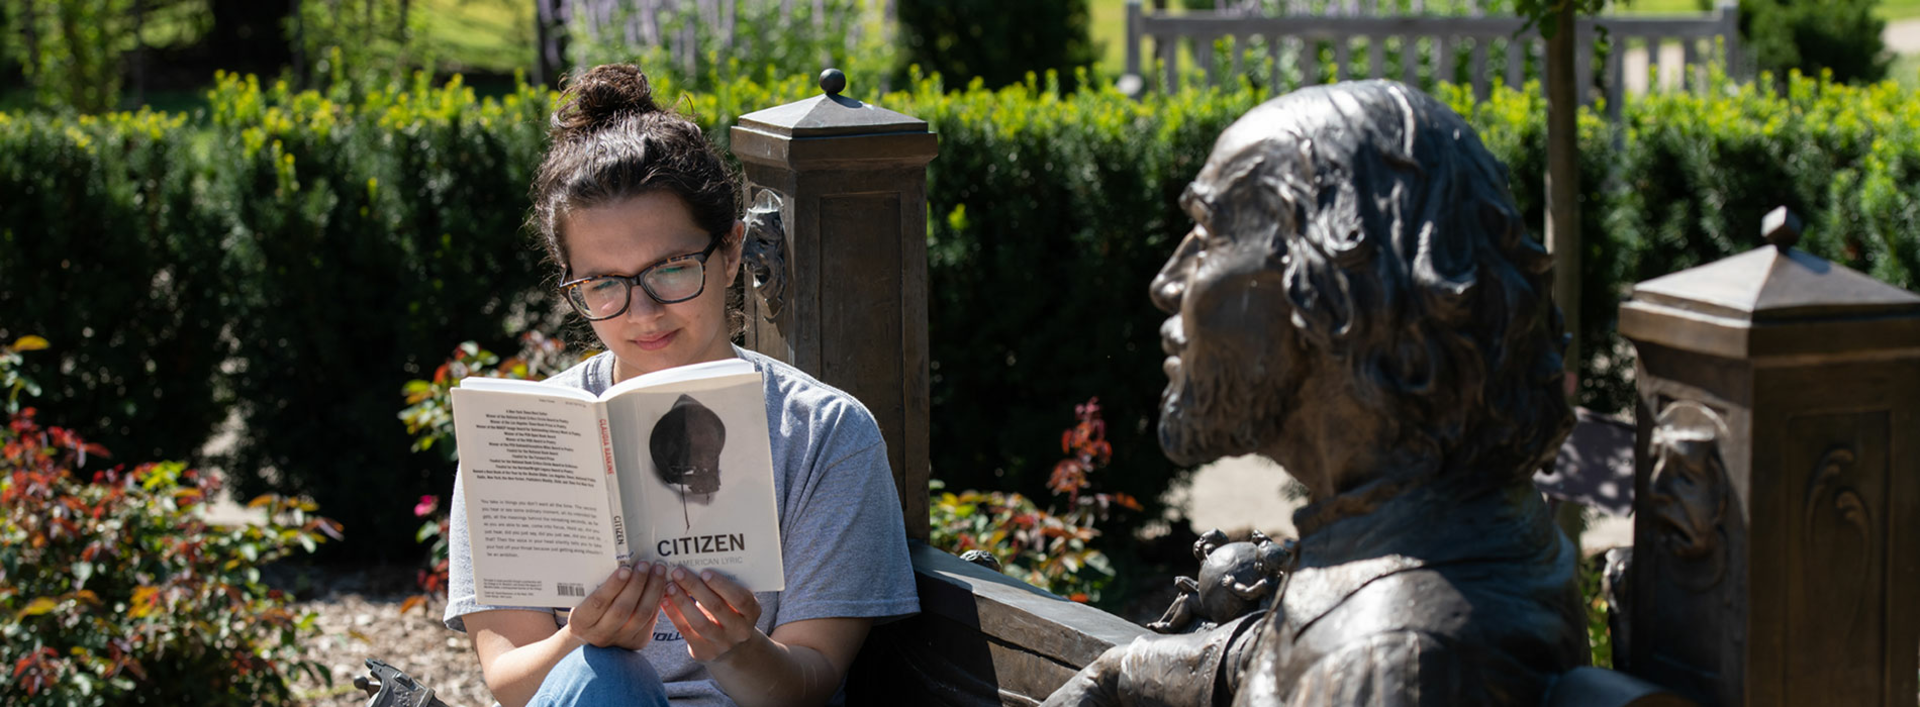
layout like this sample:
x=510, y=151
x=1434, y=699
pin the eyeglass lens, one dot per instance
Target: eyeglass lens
x=602, y=297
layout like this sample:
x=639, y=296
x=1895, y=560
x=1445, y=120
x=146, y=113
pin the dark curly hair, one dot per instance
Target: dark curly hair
x=609, y=141
x=1404, y=257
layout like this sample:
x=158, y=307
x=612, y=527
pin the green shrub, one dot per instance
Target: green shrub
x=998, y=42
x=360, y=239
x=361, y=49
x=107, y=251
x=331, y=251
x=74, y=59
x=1814, y=36
x=113, y=591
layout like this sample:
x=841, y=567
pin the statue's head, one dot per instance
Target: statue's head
x=1359, y=281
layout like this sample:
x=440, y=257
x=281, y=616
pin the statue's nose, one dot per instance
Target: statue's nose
x=1171, y=283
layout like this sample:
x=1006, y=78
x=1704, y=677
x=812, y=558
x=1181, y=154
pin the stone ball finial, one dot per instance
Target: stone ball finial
x=833, y=81
x=1781, y=228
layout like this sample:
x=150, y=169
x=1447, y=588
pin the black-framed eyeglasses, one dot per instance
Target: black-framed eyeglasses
x=669, y=281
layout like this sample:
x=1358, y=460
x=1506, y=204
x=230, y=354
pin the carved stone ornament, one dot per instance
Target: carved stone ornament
x=765, y=251
x=1688, y=490
x=1830, y=502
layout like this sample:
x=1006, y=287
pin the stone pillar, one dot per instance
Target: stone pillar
x=1776, y=558
x=853, y=179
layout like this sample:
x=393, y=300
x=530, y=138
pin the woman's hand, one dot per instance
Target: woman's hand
x=714, y=613
x=622, y=611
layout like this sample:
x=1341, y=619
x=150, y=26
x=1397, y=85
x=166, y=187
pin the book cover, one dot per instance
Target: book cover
x=562, y=486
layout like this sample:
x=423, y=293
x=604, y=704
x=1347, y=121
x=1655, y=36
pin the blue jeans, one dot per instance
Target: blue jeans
x=601, y=676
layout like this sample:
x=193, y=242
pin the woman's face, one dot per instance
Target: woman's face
x=626, y=237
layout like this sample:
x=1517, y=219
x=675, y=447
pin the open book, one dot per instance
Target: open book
x=562, y=486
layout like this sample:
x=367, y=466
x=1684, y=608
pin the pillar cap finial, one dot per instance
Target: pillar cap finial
x=1781, y=228
x=833, y=81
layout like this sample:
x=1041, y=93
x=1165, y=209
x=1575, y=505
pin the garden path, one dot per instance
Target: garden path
x=1902, y=36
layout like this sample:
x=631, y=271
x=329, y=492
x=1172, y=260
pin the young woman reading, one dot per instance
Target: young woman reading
x=640, y=216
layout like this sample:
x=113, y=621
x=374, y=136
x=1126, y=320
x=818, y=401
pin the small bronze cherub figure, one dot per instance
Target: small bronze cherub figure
x=1235, y=579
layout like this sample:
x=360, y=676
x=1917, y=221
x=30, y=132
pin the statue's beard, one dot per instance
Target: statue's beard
x=1210, y=410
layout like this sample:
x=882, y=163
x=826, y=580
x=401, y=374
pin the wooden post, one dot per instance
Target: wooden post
x=1777, y=492
x=854, y=180
x=1563, y=182
x=1133, y=45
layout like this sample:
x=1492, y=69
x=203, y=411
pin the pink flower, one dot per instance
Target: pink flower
x=427, y=505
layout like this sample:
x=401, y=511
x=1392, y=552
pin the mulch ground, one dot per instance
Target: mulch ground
x=359, y=618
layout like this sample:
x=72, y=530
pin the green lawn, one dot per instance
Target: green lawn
x=1899, y=9
x=1110, y=32
x=494, y=36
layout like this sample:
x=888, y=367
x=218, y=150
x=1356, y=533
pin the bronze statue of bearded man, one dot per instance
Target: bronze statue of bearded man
x=1360, y=301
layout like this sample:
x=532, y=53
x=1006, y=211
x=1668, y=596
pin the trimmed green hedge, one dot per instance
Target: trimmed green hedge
x=105, y=251
x=301, y=256
x=364, y=241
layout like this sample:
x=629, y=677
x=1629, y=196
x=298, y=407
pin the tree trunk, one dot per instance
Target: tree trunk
x=298, y=57
x=550, y=34
x=139, y=52
x=1563, y=181
x=30, y=31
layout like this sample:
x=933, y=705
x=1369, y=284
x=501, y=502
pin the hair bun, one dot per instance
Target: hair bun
x=600, y=97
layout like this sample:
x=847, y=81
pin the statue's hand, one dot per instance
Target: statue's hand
x=1249, y=592
x=1163, y=671
x=1096, y=685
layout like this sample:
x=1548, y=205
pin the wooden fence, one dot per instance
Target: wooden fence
x=1292, y=43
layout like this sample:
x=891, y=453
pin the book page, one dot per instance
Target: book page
x=538, y=516
x=696, y=476
x=705, y=374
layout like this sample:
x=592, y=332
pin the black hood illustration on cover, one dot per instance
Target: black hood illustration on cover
x=686, y=448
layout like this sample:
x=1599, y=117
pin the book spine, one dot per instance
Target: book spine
x=617, y=510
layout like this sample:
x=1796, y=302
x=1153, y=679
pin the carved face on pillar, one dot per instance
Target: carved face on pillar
x=1688, y=492
x=1359, y=298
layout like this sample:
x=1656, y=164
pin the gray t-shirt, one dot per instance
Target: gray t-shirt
x=841, y=536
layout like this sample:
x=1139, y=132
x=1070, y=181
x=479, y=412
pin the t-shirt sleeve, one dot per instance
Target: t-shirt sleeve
x=843, y=542
x=460, y=593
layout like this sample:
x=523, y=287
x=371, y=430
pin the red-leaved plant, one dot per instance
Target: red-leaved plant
x=114, y=591
x=1049, y=549
x=434, y=577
